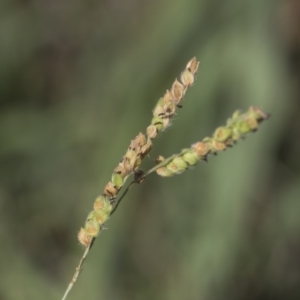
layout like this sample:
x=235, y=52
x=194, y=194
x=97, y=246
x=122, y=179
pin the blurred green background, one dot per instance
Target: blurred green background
x=78, y=81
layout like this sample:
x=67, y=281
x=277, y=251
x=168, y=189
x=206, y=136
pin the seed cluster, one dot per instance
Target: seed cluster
x=137, y=150
x=236, y=128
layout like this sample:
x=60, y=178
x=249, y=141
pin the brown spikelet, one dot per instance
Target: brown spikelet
x=193, y=65
x=201, y=148
x=177, y=91
x=84, y=238
x=110, y=190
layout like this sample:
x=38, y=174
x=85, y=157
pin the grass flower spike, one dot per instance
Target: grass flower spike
x=137, y=150
x=236, y=128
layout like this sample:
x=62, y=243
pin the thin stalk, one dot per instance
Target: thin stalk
x=77, y=270
x=136, y=181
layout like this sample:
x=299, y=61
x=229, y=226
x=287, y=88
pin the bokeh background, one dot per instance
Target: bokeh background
x=78, y=81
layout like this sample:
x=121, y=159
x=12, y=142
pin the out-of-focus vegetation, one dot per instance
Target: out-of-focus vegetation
x=78, y=80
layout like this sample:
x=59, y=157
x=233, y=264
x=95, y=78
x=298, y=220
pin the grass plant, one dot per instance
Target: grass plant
x=223, y=137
